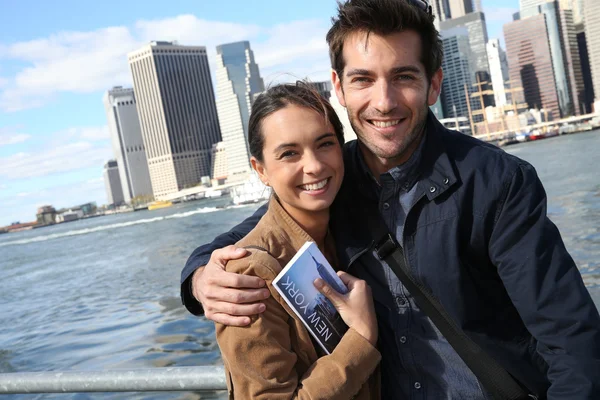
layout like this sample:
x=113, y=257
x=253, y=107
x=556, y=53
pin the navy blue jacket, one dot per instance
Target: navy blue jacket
x=480, y=239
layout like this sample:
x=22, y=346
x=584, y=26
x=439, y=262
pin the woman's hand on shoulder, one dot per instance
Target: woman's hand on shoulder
x=355, y=307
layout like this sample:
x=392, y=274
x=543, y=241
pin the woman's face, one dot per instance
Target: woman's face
x=302, y=159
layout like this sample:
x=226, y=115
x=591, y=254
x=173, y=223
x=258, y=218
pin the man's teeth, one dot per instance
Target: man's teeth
x=315, y=186
x=385, y=124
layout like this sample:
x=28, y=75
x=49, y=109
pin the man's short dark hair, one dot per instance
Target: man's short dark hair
x=384, y=17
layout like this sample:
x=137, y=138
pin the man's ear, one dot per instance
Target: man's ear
x=260, y=170
x=337, y=85
x=435, y=87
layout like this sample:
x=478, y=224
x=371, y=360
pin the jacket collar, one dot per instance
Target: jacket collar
x=436, y=173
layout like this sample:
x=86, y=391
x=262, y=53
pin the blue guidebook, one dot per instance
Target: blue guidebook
x=295, y=284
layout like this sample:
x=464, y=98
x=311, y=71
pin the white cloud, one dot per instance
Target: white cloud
x=63, y=158
x=7, y=138
x=84, y=62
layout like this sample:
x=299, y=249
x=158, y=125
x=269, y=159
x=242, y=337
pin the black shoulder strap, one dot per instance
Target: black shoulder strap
x=495, y=379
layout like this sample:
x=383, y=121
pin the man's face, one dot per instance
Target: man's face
x=386, y=92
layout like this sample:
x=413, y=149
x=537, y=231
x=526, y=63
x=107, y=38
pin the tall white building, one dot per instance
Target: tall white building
x=112, y=183
x=342, y=114
x=238, y=80
x=127, y=142
x=592, y=34
x=177, y=113
x=498, y=71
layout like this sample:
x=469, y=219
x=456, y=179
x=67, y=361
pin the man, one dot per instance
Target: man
x=470, y=218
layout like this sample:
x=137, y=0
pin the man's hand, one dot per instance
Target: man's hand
x=228, y=298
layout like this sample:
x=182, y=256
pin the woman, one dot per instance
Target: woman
x=295, y=141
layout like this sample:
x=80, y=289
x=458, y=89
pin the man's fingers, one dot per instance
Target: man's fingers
x=236, y=296
x=233, y=280
x=228, y=319
x=221, y=256
x=237, y=310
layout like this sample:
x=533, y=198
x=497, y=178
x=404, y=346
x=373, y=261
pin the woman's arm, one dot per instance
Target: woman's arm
x=262, y=364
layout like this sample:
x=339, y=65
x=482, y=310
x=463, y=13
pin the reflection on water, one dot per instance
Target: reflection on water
x=104, y=293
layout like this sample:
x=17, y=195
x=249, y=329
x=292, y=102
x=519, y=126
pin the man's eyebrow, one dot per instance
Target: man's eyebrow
x=406, y=68
x=358, y=71
x=396, y=70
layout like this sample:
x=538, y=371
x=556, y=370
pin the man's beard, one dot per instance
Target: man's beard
x=413, y=135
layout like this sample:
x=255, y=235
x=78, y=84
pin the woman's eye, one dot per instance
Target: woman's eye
x=287, y=154
x=327, y=143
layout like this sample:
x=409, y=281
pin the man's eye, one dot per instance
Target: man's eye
x=360, y=79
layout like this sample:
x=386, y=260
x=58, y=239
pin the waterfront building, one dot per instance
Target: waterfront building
x=498, y=71
x=586, y=72
x=460, y=8
x=324, y=88
x=592, y=34
x=476, y=27
x=219, y=168
x=127, y=142
x=46, y=215
x=441, y=11
x=457, y=72
x=438, y=108
x=112, y=183
x=177, y=113
x=238, y=81
x=572, y=60
x=342, y=114
x=530, y=64
x=560, y=35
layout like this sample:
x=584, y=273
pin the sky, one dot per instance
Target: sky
x=58, y=58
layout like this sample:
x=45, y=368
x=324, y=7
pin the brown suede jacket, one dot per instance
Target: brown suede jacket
x=274, y=357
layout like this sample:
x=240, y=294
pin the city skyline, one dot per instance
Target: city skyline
x=54, y=140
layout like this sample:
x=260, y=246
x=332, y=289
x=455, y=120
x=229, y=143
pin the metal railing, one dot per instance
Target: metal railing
x=208, y=378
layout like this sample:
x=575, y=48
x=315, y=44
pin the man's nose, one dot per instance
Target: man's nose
x=385, y=97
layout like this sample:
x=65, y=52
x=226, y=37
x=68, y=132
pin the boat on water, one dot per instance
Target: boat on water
x=250, y=191
x=159, y=204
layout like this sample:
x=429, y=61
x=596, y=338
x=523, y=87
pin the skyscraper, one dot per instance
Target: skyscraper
x=592, y=34
x=127, y=142
x=586, y=72
x=323, y=87
x=460, y=8
x=560, y=35
x=478, y=38
x=238, y=80
x=441, y=11
x=177, y=113
x=498, y=70
x=530, y=64
x=457, y=72
x=572, y=60
x=112, y=183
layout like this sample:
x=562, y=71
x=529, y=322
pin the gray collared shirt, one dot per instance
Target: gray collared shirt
x=425, y=366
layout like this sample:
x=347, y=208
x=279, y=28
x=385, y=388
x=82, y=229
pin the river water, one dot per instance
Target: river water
x=103, y=293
